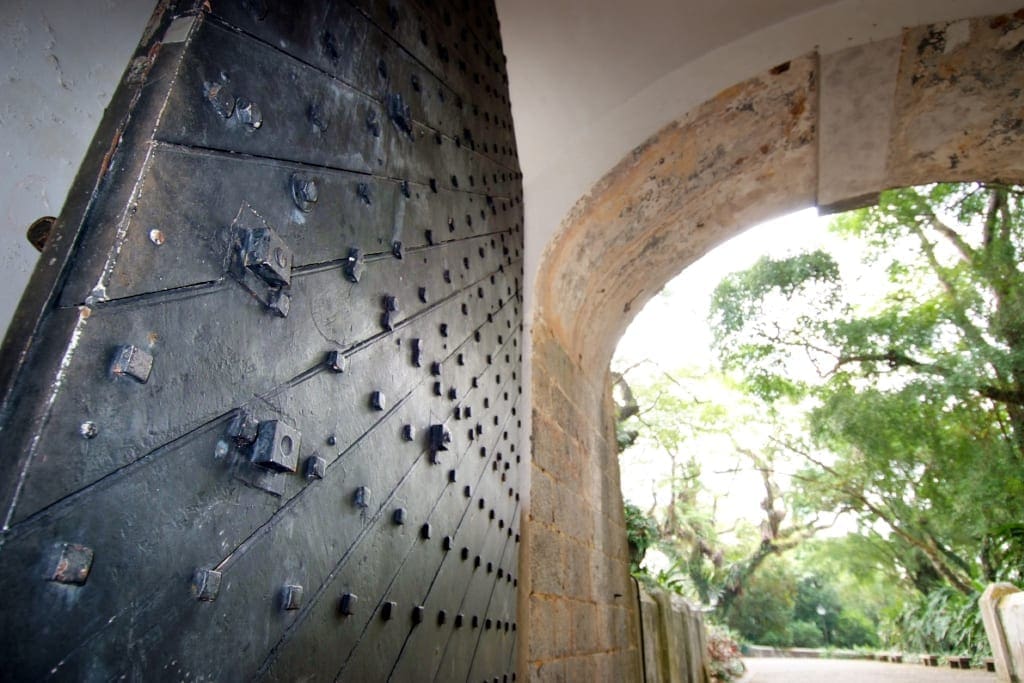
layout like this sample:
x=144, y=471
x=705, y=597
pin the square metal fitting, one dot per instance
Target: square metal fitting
x=71, y=564
x=206, y=584
x=277, y=446
x=267, y=256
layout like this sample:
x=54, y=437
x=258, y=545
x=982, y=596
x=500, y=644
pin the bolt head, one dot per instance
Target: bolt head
x=71, y=564
x=206, y=584
x=291, y=597
x=248, y=113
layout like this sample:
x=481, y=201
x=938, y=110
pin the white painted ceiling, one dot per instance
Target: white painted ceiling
x=571, y=61
x=591, y=79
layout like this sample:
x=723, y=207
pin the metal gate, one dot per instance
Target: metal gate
x=260, y=399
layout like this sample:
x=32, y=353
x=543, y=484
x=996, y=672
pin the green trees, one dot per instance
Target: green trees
x=918, y=392
x=882, y=380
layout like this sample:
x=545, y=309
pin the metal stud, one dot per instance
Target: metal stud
x=221, y=98
x=243, y=429
x=464, y=553
x=206, y=584
x=417, y=614
x=442, y=617
x=337, y=361
x=347, y=606
x=398, y=516
x=425, y=531
x=71, y=564
x=446, y=543
x=354, y=265
x=291, y=597
x=131, y=361
x=435, y=368
x=417, y=352
x=387, y=610
x=439, y=438
x=279, y=301
x=316, y=467
x=452, y=476
x=378, y=401
x=408, y=432
x=305, y=191
x=248, y=113
x=88, y=430
x=361, y=497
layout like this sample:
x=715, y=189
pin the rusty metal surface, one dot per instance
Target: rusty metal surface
x=261, y=403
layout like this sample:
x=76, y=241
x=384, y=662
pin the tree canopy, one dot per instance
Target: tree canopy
x=917, y=422
x=882, y=380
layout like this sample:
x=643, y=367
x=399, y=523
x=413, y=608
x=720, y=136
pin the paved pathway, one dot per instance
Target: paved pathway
x=790, y=670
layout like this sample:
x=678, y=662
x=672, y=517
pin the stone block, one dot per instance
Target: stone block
x=581, y=584
x=957, y=112
x=581, y=669
x=543, y=497
x=858, y=86
x=551, y=617
x=572, y=516
x=549, y=672
x=547, y=561
x=584, y=627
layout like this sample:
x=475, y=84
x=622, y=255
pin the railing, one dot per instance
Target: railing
x=674, y=640
x=1002, y=610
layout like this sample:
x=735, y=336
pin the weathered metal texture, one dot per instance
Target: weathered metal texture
x=260, y=403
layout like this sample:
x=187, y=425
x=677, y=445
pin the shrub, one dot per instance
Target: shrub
x=805, y=634
x=724, y=663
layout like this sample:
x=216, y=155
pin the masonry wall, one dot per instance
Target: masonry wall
x=583, y=619
x=940, y=103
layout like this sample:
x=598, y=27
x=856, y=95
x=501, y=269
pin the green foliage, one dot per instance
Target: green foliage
x=854, y=629
x=762, y=614
x=942, y=622
x=641, y=534
x=805, y=634
x=911, y=387
x=905, y=404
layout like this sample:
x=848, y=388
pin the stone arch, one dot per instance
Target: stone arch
x=937, y=103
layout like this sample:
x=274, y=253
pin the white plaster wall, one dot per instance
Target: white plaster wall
x=592, y=80
x=60, y=61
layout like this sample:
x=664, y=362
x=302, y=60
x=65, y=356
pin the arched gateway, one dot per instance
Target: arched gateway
x=938, y=103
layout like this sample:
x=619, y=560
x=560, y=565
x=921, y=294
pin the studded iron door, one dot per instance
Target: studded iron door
x=260, y=399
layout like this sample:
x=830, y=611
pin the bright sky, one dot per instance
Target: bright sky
x=672, y=331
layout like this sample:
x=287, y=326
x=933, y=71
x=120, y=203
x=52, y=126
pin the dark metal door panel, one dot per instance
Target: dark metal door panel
x=260, y=404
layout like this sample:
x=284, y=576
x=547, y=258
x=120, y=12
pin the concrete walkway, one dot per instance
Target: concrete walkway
x=787, y=670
